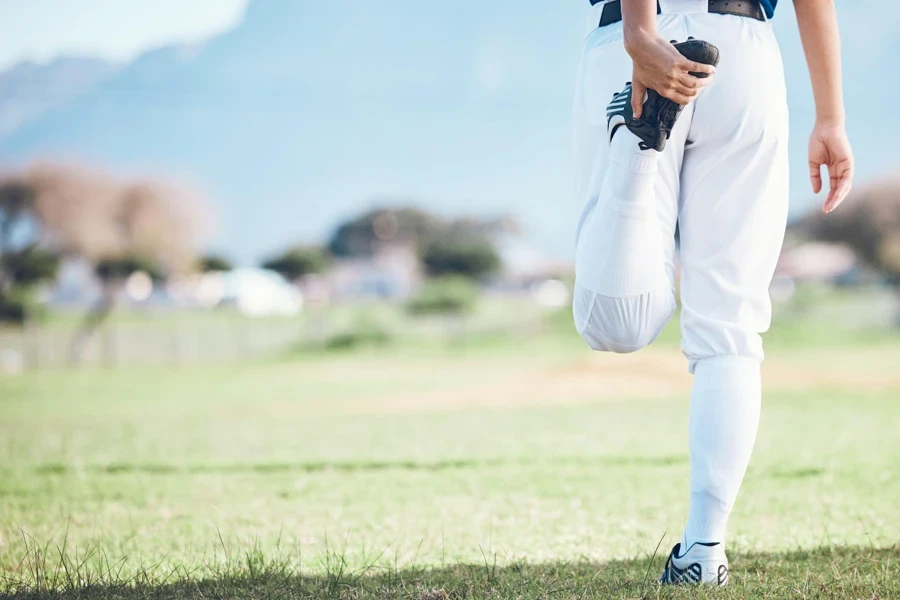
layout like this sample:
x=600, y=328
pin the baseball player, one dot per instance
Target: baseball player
x=681, y=121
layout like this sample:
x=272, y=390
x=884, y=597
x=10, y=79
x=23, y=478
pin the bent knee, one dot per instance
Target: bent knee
x=621, y=325
x=617, y=342
x=622, y=337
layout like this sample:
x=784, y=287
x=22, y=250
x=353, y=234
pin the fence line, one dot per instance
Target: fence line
x=169, y=343
x=184, y=340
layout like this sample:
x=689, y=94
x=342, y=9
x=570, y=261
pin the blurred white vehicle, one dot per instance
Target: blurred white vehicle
x=261, y=293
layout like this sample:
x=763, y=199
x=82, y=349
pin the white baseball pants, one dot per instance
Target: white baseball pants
x=723, y=181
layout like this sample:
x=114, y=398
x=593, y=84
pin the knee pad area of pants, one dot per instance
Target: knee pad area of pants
x=621, y=325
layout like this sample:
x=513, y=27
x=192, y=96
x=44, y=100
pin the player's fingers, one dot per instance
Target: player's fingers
x=682, y=98
x=680, y=94
x=815, y=176
x=691, y=82
x=695, y=67
x=840, y=188
x=637, y=98
x=832, y=202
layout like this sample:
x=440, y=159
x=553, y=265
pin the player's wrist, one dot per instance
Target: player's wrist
x=831, y=119
x=638, y=40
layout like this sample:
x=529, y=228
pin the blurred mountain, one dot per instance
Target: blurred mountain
x=29, y=91
x=309, y=112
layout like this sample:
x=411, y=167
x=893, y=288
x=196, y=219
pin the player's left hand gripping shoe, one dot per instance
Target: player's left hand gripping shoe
x=702, y=564
x=659, y=113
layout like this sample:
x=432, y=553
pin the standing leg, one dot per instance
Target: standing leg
x=735, y=200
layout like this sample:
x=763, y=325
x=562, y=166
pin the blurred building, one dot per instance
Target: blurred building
x=816, y=261
x=393, y=272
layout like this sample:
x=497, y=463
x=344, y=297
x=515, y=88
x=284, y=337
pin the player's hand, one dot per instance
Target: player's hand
x=659, y=66
x=829, y=146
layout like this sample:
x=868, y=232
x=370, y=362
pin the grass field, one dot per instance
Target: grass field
x=502, y=468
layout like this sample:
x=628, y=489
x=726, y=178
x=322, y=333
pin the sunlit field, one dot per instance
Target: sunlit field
x=501, y=466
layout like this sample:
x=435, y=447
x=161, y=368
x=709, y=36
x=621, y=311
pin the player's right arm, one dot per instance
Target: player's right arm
x=828, y=144
x=657, y=64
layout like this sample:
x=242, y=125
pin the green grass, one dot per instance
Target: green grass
x=505, y=468
x=818, y=573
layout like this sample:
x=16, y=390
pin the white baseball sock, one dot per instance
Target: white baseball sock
x=724, y=418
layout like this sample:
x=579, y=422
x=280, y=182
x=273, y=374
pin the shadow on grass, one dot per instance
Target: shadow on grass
x=50, y=469
x=841, y=572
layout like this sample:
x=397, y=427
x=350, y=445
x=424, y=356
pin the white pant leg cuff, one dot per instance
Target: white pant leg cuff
x=750, y=361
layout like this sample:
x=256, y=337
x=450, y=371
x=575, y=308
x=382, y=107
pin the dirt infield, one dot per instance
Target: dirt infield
x=649, y=374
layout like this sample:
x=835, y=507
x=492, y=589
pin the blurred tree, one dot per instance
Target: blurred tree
x=299, y=261
x=31, y=265
x=460, y=252
x=113, y=270
x=212, y=263
x=460, y=247
x=24, y=263
x=118, y=228
x=869, y=223
x=361, y=236
x=451, y=295
x=112, y=273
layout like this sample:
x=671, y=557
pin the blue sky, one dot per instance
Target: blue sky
x=39, y=30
